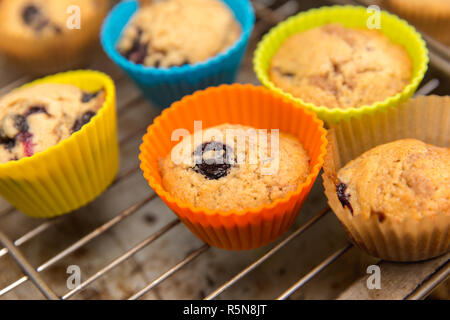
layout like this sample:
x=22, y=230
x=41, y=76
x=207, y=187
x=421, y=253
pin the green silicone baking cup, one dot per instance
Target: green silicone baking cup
x=396, y=29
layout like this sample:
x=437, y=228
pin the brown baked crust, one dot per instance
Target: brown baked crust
x=245, y=185
x=402, y=179
x=40, y=41
x=177, y=32
x=340, y=67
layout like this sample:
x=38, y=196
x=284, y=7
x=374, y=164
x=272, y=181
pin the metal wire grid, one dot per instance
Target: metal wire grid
x=267, y=16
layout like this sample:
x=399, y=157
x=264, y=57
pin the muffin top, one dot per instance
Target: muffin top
x=47, y=19
x=231, y=167
x=340, y=67
x=431, y=17
x=404, y=178
x=177, y=32
x=420, y=7
x=37, y=117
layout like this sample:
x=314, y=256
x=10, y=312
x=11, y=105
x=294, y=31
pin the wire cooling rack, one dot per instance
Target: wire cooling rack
x=402, y=281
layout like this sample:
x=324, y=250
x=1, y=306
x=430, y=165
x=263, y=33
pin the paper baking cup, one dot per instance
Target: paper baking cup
x=163, y=86
x=236, y=104
x=76, y=170
x=407, y=239
x=393, y=27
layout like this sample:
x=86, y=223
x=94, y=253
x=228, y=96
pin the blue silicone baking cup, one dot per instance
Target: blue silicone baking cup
x=163, y=86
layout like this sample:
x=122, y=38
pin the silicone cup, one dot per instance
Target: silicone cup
x=395, y=239
x=236, y=104
x=163, y=86
x=75, y=171
x=398, y=31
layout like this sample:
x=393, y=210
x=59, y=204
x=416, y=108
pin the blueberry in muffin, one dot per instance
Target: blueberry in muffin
x=35, y=18
x=211, y=169
x=404, y=178
x=178, y=32
x=217, y=166
x=37, y=117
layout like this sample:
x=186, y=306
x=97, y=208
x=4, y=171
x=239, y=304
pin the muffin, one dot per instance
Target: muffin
x=340, y=67
x=342, y=70
x=58, y=143
x=206, y=171
x=164, y=85
x=178, y=32
x=405, y=178
x=234, y=188
x=35, y=118
x=387, y=179
x=431, y=17
x=42, y=36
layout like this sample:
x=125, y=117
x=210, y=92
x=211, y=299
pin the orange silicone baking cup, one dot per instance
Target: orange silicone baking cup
x=235, y=104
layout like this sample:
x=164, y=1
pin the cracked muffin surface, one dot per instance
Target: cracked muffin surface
x=404, y=178
x=340, y=67
x=37, y=117
x=178, y=32
x=211, y=169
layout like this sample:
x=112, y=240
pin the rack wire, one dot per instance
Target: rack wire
x=268, y=12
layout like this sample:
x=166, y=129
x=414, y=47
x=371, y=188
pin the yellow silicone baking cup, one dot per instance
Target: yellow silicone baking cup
x=396, y=29
x=75, y=171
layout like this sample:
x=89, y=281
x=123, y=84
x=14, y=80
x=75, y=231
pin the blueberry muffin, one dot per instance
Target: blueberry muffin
x=402, y=179
x=230, y=167
x=340, y=67
x=431, y=16
x=177, y=32
x=37, y=117
x=42, y=36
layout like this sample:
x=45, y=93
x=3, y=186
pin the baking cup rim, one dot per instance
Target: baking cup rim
x=166, y=196
x=109, y=86
x=338, y=114
x=331, y=132
x=114, y=55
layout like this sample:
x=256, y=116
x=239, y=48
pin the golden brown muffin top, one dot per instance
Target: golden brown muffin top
x=340, y=67
x=404, y=178
x=44, y=19
x=177, y=32
x=34, y=118
x=245, y=179
x=421, y=7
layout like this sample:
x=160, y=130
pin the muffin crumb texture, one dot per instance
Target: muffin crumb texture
x=178, y=32
x=404, y=178
x=233, y=184
x=340, y=67
x=37, y=117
